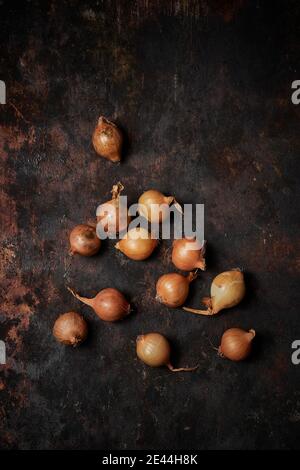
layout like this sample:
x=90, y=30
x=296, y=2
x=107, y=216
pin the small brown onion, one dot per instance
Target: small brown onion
x=236, y=344
x=227, y=290
x=155, y=351
x=149, y=202
x=172, y=289
x=84, y=240
x=108, y=140
x=109, y=214
x=137, y=244
x=109, y=304
x=70, y=328
x=188, y=254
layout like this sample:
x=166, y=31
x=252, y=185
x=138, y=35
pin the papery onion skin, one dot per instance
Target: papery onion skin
x=108, y=213
x=231, y=285
x=70, y=328
x=84, y=241
x=188, y=259
x=107, y=140
x=236, y=344
x=172, y=289
x=227, y=290
x=137, y=244
x=109, y=304
x=155, y=351
x=151, y=198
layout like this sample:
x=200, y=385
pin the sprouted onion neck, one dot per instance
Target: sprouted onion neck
x=227, y=290
x=155, y=351
x=109, y=304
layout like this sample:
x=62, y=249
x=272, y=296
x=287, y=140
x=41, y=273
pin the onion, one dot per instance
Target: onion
x=149, y=202
x=236, y=344
x=155, y=351
x=137, y=244
x=111, y=218
x=172, y=289
x=107, y=140
x=109, y=304
x=188, y=254
x=70, y=328
x=227, y=290
x=84, y=240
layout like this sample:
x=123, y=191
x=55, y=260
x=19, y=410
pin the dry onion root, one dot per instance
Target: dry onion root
x=70, y=328
x=149, y=202
x=137, y=244
x=107, y=140
x=109, y=304
x=155, y=351
x=84, y=240
x=188, y=254
x=172, y=289
x=227, y=290
x=236, y=344
x=109, y=214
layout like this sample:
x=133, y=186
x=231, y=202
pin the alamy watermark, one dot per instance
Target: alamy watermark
x=188, y=221
x=2, y=92
x=2, y=352
x=296, y=94
x=296, y=354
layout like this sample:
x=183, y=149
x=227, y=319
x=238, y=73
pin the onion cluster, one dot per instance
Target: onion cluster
x=172, y=289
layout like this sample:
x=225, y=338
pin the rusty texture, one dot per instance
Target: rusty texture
x=203, y=93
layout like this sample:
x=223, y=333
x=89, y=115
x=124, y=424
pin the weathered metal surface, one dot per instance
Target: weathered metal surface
x=202, y=90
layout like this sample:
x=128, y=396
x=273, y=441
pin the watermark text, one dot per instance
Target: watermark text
x=296, y=354
x=2, y=92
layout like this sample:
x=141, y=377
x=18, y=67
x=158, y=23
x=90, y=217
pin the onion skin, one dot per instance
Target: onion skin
x=107, y=140
x=236, y=344
x=70, y=328
x=187, y=259
x=137, y=244
x=172, y=289
x=154, y=197
x=108, y=213
x=109, y=304
x=155, y=351
x=84, y=241
x=227, y=290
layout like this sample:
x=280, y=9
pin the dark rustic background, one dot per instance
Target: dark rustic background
x=203, y=92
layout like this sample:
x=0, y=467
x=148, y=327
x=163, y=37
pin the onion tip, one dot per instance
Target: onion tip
x=182, y=369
